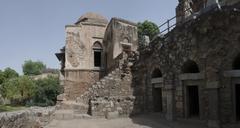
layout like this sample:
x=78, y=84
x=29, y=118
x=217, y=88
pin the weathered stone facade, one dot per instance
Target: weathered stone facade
x=96, y=65
x=198, y=54
x=191, y=72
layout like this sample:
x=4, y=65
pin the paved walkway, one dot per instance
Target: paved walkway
x=146, y=121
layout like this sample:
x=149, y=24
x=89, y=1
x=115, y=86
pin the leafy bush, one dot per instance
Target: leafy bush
x=18, y=90
x=147, y=28
x=47, y=90
x=33, y=68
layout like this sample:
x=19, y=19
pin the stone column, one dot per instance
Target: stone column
x=170, y=102
x=213, y=99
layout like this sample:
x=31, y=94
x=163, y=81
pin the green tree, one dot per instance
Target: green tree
x=18, y=90
x=10, y=73
x=2, y=78
x=33, y=68
x=47, y=90
x=147, y=28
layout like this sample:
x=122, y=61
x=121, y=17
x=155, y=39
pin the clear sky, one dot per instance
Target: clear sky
x=34, y=29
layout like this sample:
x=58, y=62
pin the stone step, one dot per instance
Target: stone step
x=77, y=107
x=82, y=116
x=64, y=115
x=69, y=115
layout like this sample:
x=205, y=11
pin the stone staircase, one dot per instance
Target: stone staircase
x=103, y=98
x=79, y=109
x=101, y=88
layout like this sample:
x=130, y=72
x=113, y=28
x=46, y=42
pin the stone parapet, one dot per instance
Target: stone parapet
x=34, y=117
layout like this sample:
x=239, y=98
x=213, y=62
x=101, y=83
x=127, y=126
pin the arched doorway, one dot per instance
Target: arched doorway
x=192, y=109
x=190, y=67
x=156, y=82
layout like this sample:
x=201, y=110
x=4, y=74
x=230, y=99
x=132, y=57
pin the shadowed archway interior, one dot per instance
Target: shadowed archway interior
x=190, y=67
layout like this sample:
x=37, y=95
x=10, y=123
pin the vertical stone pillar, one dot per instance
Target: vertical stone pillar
x=213, y=99
x=170, y=102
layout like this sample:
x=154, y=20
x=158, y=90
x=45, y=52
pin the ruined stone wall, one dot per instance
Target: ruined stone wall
x=34, y=117
x=79, y=45
x=212, y=41
x=79, y=71
x=114, y=92
x=78, y=81
x=120, y=35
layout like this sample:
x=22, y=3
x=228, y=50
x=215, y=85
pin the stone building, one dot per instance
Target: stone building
x=192, y=72
x=93, y=55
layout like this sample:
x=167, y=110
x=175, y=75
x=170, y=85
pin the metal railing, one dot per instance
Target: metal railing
x=171, y=23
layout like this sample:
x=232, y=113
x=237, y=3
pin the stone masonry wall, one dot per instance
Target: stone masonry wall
x=113, y=93
x=77, y=81
x=212, y=41
x=34, y=117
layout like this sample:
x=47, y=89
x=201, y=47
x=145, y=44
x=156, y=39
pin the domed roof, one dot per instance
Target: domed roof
x=93, y=17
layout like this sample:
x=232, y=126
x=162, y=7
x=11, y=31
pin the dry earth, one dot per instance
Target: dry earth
x=146, y=121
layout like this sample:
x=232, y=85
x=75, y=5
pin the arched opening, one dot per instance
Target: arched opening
x=157, y=90
x=192, y=91
x=190, y=67
x=97, y=49
x=236, y=63
x=156, y=73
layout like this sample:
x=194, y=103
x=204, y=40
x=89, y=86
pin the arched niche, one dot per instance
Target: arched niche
x=156, y=73
x=157, y=90
x=190, y=67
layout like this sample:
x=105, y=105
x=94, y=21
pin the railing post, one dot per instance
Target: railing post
x=168, y=25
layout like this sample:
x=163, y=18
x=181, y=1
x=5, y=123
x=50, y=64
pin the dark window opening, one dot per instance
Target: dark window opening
x=190, y=67
x=193, y=101
x=156, y=73
x=97, y=48
x=157, y=99
x=236, y=63
x=237, y=93
x=97, y=58
x=126, y=48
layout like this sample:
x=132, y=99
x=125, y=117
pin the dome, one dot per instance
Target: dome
x=92, y=17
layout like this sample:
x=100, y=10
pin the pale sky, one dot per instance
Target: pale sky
x=34, y=29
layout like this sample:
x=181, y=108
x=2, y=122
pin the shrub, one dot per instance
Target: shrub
x=47, y=90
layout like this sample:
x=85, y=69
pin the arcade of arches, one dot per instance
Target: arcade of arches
x=193, y=73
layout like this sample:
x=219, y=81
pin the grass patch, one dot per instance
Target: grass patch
x=10, y=108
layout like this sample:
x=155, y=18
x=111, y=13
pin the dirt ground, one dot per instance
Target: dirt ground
x=144, y=121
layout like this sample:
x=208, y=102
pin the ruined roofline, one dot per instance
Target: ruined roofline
x=87, y=23
x=123, y=20
x=92, y=18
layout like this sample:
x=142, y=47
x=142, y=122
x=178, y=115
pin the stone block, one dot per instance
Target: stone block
x=112, y=115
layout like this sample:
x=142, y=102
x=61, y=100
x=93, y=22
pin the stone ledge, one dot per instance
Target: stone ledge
x=191, y=76
x=28, y=118
x=232, y=73
x=156, y=80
